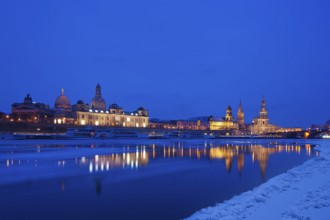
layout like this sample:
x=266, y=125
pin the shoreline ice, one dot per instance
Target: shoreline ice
x=303, y=192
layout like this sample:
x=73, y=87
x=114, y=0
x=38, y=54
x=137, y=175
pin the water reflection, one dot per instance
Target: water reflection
x=229, y=153
x=135, y=156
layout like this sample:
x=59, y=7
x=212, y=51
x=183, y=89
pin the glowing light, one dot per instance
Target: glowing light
x=90, y=167
x=144, y=154
x=82, y=122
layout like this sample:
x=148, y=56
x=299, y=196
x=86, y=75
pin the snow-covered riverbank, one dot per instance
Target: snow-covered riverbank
x=301, y=193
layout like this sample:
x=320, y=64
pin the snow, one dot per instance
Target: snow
x=301, y=193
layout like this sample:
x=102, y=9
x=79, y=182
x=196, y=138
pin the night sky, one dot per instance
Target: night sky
x=179, y=59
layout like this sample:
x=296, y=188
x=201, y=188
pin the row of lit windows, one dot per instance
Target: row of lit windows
x=112, y=112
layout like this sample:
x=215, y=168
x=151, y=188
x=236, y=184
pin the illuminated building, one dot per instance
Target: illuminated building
x=260, y=125
x=30, y=111
x=226, y=123
x=192, y=125
x=282, y=130
x=96, y=114
x=114, y=116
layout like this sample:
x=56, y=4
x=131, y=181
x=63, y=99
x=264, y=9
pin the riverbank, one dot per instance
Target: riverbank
x=301, y=193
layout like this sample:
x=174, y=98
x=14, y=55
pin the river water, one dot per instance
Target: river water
x=135, y=179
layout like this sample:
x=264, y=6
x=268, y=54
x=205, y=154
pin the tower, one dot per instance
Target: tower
x=229, y=115
x=240, y=116
x=98, y=91
x=98, y=102
x=263, y=113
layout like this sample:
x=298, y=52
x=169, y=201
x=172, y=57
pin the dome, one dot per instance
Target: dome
x=80, y=102
x=114, y=106
x=62, y=102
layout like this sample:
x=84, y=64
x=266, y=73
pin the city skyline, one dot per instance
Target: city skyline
x=63, y=102
x=175, y=64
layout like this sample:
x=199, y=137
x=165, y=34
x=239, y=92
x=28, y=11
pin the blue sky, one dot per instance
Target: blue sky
x=179, y=59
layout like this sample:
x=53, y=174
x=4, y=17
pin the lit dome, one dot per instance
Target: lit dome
x=62, y=102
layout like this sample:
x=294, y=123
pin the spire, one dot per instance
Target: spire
x=240, y=107
x=62, y=91
x=263, y=103
x=98, y=91
x=263, y=110
x=240, y=115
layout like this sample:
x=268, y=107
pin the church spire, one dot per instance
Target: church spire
x=62, y=91
x=240, y=107
x=240, y=115
x=98, y=91
x=263, y=110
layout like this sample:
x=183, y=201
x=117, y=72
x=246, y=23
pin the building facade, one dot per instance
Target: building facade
x=260, y=125
x=96, y=113
x=192, y=125
x=114, y=117
x=29, y=111
x=226, y=123
x=63, y=110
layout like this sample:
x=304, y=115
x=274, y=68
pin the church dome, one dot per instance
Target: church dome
x=62, y=102
x=98, y=102
x=114, y=106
